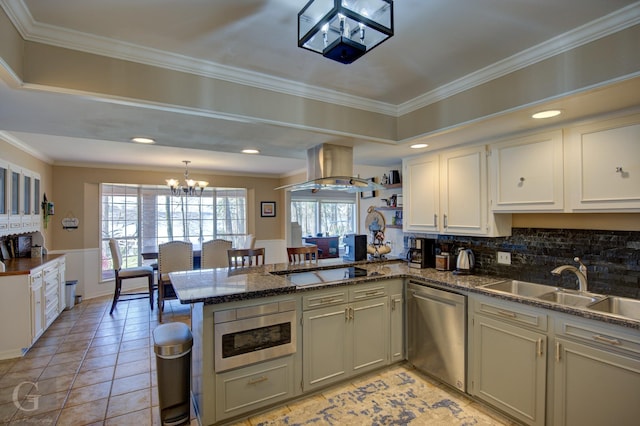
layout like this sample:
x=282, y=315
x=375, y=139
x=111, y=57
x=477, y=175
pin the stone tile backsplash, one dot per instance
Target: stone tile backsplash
x=612, y=257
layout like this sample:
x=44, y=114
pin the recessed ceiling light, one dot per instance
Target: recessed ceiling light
x=139, y=139
x=250, y=151
x=547, y=114
x=419, y=145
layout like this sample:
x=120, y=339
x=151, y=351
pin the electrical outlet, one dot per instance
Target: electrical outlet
x=504, y=258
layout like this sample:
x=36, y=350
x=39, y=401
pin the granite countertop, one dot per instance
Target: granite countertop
x=222, y=285
x=24, y=265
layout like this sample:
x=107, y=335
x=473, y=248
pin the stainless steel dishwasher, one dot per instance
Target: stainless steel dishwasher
x=437, y=324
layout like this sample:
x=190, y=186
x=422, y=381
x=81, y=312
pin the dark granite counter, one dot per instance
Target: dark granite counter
x=222, y=285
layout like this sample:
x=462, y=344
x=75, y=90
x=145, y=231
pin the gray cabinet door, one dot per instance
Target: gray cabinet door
x=369, y=334
x=595, y=386
x=396, y=331
x=510, y=367
x=326, y=356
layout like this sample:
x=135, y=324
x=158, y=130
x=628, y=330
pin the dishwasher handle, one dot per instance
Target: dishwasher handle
x=434, y=294
x=431, y=298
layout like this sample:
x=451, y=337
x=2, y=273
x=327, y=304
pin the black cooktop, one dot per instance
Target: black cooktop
x=325, y=275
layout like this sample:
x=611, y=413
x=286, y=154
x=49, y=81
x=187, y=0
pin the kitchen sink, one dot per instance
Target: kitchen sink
x=629, y=308
x=521, y=288
x=571, y=299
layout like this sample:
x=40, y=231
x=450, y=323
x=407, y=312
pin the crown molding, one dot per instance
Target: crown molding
x=34, y=31
x=12, y=140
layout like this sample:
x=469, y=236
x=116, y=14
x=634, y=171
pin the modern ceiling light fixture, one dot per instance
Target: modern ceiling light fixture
x=419, y=145
x=190, y=188
x=344, y=30
x=547, y=114
x=144, y=140
x=250, y=151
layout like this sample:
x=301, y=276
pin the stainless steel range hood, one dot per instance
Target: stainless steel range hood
x=330, y=167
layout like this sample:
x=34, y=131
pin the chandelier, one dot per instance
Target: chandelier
x=190, y=187
x=344, y=30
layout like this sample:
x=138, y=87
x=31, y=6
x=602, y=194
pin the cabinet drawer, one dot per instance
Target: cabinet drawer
x=324, y=298
x=513, y=313
x=368, y=291
x=248, y=388
x=599, y=334
x=50, y=315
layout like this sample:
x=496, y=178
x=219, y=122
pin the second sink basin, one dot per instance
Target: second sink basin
x=521, y=288
x=629, y=308
x=570, y=299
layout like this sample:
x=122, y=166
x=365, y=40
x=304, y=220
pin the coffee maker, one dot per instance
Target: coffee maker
x=422, y=253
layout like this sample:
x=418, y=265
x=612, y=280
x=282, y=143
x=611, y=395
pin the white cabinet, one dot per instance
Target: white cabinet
x=37, y=304
x=346, y=331
x=508, y=358
x=19, y=200
x=421, y=194
x=30, y=303
x=448, y=194
x=604, y=163
x=597, y=374
x=527, y=173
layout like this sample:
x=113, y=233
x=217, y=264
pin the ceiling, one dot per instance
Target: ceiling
x=437, y=44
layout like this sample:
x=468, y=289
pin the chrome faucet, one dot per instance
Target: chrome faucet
x=580, y=273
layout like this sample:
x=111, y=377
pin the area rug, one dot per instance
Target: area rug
x=396, y=397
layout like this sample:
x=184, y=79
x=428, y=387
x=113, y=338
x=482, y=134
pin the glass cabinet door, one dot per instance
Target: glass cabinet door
x=27, y=195
x=36, y=196
x=15, y=193
x=3, y=190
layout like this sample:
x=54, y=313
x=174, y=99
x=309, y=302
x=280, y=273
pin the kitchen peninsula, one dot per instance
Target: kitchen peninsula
x=303, y=317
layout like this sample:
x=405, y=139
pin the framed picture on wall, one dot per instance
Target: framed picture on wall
x=268, y=208
x=368, y=194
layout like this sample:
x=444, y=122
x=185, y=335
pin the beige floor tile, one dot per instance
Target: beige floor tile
x=60, y=369
x=64, y=357
x=134, y=344
x=53, y=385
x=13, y=378
x=74, y=345
x=90, y=377
x=89, y=393
x=99, y=362
x=99, y=351
x=84, y=414
x=7, y=411
x=129, y=402
x=31, y=363
x=138, y=418
x=35, y=352
x=132, y=368
x=134, y=355
x=40, y=404
x=21, y=390
x=106, y=340
x=131, y=383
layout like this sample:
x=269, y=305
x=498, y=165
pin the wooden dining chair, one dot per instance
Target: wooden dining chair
x=214, y=254
x=172, y=257
x=241, y=258
x=128, y=273
x=302, y=254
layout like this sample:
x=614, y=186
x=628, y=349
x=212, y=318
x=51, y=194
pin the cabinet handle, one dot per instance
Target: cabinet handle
x=328, y=300
x=558, y=351
x=507, y=313
x=603, y=339
x=257, y=380
x=346, y=314
x=446, y=222
x=351, y=312
x=619, y=169
x=540, y=347
x=373, y=293
x=435, y=220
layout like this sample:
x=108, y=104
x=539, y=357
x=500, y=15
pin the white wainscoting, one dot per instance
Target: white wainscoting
x=84, y=265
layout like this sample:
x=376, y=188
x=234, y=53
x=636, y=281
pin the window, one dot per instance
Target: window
x=325, y=215
x=142, y=217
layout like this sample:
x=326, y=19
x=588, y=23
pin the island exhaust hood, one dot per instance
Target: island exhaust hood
x=330, y=167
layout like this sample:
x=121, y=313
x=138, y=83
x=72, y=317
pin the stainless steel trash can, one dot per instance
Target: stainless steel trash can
x=172, y=345
x=70, y=293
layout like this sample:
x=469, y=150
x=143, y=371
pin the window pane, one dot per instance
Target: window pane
x=142, y=217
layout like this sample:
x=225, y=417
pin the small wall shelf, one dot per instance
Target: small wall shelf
x=388, y=208
x=392, y=185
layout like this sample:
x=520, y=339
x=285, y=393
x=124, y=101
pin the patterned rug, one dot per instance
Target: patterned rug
x=399, y=396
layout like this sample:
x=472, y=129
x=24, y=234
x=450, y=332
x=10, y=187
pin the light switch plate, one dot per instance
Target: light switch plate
x=504, y=258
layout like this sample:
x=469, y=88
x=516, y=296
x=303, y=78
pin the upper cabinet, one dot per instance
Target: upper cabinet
x=448, y=194
x=603, y=164
x=527, y=173
x=19, y=200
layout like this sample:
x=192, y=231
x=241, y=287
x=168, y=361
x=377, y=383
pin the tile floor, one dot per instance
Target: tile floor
x=91, y=368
